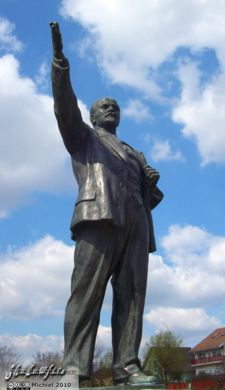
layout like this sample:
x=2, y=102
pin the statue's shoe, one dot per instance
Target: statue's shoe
x=138, y=379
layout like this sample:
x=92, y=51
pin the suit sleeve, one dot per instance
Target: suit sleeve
x=67, y=112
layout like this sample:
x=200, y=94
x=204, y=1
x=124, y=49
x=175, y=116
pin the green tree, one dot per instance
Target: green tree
x=165, y=357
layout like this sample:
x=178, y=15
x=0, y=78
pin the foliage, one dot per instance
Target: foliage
x=102, y=375
x=165, y=358
x=100, y=378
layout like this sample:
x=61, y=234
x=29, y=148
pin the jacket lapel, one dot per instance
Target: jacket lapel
x=113, y=143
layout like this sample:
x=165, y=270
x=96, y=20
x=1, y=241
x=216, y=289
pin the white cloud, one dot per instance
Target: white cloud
x=187, y=283
x=192, y=255
x=201, y=112
x=37, y=280
x=162, y=151
x=185, y=246
x=8, y=41
x=42, y=77
x=104, y=336
x=178, y=286
x=137, y=110
x=29, y=344
x=192, y=246
x=194, y=262
x=216, y=257
x=33, y=157
x=180, y=320
x=85, y=112
x=134, y=38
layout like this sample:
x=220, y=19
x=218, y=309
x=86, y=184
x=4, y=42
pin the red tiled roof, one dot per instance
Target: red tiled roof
x=213, y=341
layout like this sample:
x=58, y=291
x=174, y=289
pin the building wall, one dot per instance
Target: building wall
x=212, y=370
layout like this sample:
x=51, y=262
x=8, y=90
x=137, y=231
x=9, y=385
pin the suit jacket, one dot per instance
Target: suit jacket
x=100, y=167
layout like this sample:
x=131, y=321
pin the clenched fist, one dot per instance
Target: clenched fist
x=56, y=40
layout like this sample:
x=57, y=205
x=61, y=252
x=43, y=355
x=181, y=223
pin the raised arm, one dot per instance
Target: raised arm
x=67, y=112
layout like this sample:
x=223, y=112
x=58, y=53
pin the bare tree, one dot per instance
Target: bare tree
x=8, y=356
x=42, y=359
x=99, y=352
x=106, y=360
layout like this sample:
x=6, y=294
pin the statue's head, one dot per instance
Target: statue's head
x=105, y=113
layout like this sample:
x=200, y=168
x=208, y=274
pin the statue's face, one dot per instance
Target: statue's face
x=107, y=114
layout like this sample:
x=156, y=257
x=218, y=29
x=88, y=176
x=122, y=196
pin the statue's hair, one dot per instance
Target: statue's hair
x=94, y=106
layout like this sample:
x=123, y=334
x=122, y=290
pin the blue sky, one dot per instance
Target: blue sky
x=164, y=62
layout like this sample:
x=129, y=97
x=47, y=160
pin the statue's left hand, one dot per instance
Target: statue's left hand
x=152, y=175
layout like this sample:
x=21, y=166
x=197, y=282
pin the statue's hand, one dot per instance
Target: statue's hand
x=152, y=175
x=56, y=40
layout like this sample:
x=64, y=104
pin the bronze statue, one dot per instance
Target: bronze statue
x=112, y=226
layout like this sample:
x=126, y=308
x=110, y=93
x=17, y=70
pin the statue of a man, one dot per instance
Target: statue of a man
x=112, y=226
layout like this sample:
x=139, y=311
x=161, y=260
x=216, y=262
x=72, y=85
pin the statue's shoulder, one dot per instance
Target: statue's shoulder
x=88, y=130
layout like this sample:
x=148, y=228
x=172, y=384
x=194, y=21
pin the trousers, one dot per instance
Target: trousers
x=103, y=251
